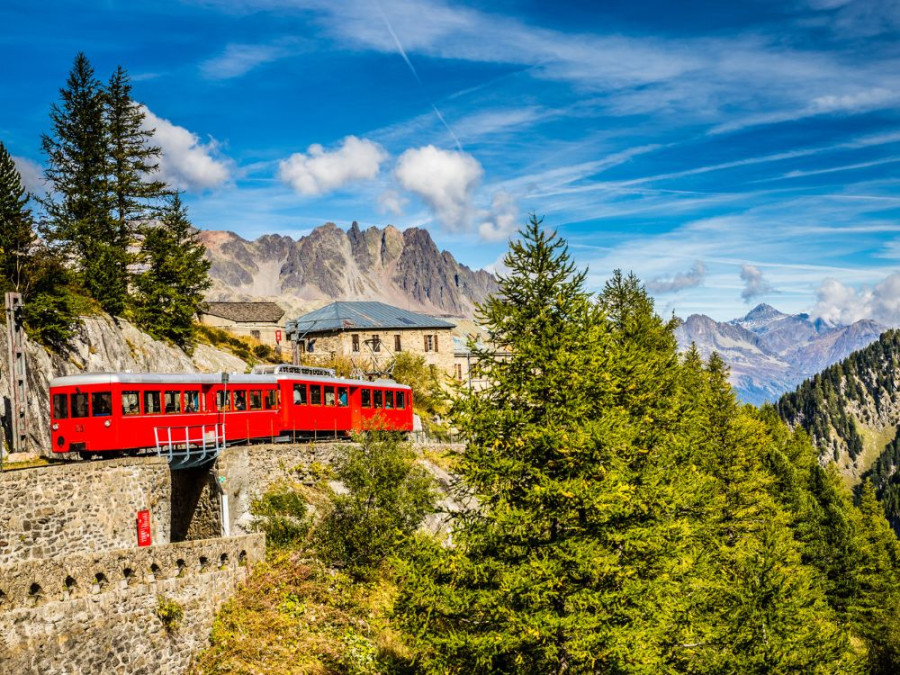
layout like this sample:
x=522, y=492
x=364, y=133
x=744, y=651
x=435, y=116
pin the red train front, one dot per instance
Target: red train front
x=116, y=412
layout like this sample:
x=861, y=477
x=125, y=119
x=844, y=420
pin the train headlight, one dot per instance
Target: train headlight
x=55, y=427
x=107, y=424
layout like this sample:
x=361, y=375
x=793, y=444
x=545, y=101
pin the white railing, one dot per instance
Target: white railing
x=189, y=446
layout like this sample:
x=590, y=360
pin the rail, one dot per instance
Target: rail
x=189, y=446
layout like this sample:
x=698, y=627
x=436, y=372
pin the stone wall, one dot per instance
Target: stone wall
x=97, y=613
x=77, y=507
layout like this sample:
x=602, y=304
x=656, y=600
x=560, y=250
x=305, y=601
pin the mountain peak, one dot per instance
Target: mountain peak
x=763, y=312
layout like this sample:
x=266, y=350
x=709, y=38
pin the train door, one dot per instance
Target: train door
x=356, y=424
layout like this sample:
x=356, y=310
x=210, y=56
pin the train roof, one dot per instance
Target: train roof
x=157, y=378
x=208, y=379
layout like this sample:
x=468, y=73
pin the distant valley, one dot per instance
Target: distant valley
x=770, y=352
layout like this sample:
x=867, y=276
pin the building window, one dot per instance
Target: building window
x=310, y=346
x=435, y=343
x=397, y=346
x=355, y=339
x=254, y=334
x=429, y=343
x=376, y=343
x=459, y=372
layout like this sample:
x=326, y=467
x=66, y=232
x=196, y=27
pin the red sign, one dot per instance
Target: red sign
x=278, y=336
x=143, y=528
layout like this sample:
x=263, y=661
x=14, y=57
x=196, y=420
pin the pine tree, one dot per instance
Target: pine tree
x=17, y=237
x=79, y=209
x=29, y=267
x=170, y=290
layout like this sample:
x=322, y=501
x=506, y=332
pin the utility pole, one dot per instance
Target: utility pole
x=17, y=380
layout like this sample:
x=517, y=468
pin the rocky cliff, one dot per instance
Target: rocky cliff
x=405, y=269
x=103, y=345
x=770, y=352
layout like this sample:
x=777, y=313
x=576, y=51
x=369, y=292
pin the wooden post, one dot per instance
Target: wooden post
x=17, y=377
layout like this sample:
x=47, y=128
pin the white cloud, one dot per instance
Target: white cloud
x=317, y=171
x=238, y=60
x=754, y=283
x=502, y=220
x=445, y=179
x=839, y=303
x=391, y=201
x=32, y=175
x=693, y=277
x=186, y=163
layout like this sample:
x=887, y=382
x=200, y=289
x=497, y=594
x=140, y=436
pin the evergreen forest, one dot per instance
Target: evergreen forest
x=617, y=511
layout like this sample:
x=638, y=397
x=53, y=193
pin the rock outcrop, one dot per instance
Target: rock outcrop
x=405, y=269
x=103, y=344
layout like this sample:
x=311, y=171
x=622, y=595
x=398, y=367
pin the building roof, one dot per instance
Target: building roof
x=349, y=316
x=245, y=312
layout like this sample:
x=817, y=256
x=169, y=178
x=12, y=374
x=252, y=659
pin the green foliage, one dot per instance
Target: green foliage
x=886, y=479
x=170, y=290
x=627, y=518
x=282, y=514
x=388, y=495
x=170, y=612
x=430, y=400
x=31, y=268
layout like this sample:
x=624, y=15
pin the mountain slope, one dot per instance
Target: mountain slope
x=401, y=268
x=770, y=352
x=852, y=408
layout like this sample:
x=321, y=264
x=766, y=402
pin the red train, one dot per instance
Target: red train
x=186, y=414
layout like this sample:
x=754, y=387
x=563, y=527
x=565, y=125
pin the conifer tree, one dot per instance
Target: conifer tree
x=170, y=290
x=28, y=267
x=79, y=208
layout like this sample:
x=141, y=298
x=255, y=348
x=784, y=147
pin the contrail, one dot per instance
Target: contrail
x=416, y=75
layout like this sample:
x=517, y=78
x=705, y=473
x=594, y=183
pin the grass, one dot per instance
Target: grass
x=245, y=348
x=874, y=443
x=294, y=615
x=25, y=464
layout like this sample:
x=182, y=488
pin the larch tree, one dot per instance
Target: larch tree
x=169, y=291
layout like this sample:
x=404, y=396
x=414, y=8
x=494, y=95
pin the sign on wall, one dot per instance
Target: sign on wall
x=143, y=528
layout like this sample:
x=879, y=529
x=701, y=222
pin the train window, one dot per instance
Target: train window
x=377, y=399
x=131, y=403
x=60, y=406
x=101, y=403
x=173, y=402
x=270, y=399
x=191, y=401
x=315, y=394
x=401, y=404
x=152, y=403
x=240, y=400
x=221, y=401
x=256, y=400
x=343, y=398
x=388, y=399
x=79, y=405
x=329, y=395
x=366, y=397
x=299, y=394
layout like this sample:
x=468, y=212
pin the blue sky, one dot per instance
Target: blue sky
x=727, y=153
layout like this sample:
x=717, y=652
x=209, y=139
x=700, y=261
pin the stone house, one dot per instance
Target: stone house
x=370, y=335
x=263, y=321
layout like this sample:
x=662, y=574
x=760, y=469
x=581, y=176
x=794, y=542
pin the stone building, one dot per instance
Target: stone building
x=370, y=335
x=263, y=321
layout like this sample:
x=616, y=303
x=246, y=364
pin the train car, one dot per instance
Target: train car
x=113, y=412
x=99, y=413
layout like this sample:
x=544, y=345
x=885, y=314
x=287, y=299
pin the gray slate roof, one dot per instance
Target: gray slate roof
x=245, y=312
x=350, y=316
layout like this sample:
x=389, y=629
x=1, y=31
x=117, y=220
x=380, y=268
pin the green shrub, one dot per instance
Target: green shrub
x=388, y=495
x=170, y=612
x=282, y=514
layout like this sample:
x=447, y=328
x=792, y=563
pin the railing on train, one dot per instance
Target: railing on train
x=184, y=450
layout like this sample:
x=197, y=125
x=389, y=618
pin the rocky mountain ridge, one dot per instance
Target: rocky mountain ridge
x=771, y=352
x=405, y=269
